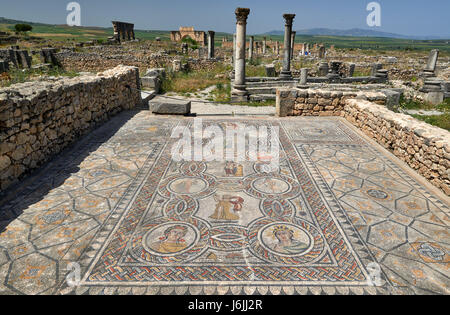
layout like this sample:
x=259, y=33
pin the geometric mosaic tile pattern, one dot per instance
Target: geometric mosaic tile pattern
x=137, y=222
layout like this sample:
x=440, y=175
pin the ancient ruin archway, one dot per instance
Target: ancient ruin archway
x=183, y=32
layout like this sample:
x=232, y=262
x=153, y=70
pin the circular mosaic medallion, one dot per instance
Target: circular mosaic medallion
x=165, y=241
x=288, y=242
x=187, y=186
x=200, y=186
x=170, y=239
x=377, y=194
x=286, y=239
x=271, y=186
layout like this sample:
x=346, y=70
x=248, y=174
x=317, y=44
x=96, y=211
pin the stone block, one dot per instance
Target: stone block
x=170, y=106
x=270, y=71
x=4, y=66
x=152, y=83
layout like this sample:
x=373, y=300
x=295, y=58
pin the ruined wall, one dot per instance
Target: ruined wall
x=319, y=102
x=39, y=119
x=423, y=147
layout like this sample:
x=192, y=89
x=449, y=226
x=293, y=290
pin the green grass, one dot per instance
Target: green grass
x=193, y=81
x=441, y=121
x=371, y=45
x=256, y=104
x=419, y=105
x=20, y=76
x=222, y=93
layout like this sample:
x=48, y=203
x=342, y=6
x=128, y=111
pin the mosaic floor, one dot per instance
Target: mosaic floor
x=340, y=216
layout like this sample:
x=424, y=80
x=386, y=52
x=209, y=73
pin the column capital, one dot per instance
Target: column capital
x=241, y=15
x=211, y=32
x=289, y=18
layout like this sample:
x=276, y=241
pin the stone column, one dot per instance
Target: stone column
x=303, y=77
x=323, y=69
x=303, y=49
x=211, y=44
x=286, y=72
x=293, y=44
x=351, y=70
x=322, y=52
x=277, y=48
x=239, y=92
x=116, y=32
x=250, y=48
x=264, y=46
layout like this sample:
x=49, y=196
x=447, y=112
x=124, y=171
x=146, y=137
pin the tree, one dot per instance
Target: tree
x=23, y=28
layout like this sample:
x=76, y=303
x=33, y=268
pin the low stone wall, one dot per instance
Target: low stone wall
x=320, y=102
x=423, y=147
x=38, y=119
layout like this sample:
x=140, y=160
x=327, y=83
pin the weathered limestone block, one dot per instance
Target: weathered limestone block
x=153, y=83
x=170, y=106
x=270, y=71
x=4, y=66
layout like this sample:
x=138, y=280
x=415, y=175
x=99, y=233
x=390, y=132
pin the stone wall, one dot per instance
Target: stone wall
x=423, y=147
x=38, y=119
x=319, y=102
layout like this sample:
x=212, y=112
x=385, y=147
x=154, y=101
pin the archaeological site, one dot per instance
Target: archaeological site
x=224, y=158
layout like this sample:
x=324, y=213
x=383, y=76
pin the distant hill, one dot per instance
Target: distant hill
x=355, y=32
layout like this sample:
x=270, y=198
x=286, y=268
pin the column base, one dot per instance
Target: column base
x=286, y=75
x=239, y=94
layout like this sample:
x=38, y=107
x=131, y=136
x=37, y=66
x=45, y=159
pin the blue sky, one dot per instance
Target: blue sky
x=407, y=17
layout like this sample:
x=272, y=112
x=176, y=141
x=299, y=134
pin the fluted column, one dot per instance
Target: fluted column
x=286, y=72
x=239, y=92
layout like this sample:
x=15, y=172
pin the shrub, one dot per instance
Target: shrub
x=23, y=28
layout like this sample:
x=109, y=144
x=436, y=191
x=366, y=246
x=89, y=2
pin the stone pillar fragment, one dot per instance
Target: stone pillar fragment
x=322, y=52
x=277, y=48
x=250, y=47
x=431, y=64
x=211, y=44
x=351, y=70
x=293, y=44
x=4, y=66
x=323, y=69
x=375, y=68
x=286, y=72
x=239, y=92
x=264, y=46
x=304, y=76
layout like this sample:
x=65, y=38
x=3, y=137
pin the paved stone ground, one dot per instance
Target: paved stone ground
x=137, y=222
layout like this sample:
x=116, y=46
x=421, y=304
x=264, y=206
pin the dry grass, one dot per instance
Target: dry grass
x=189, y=82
